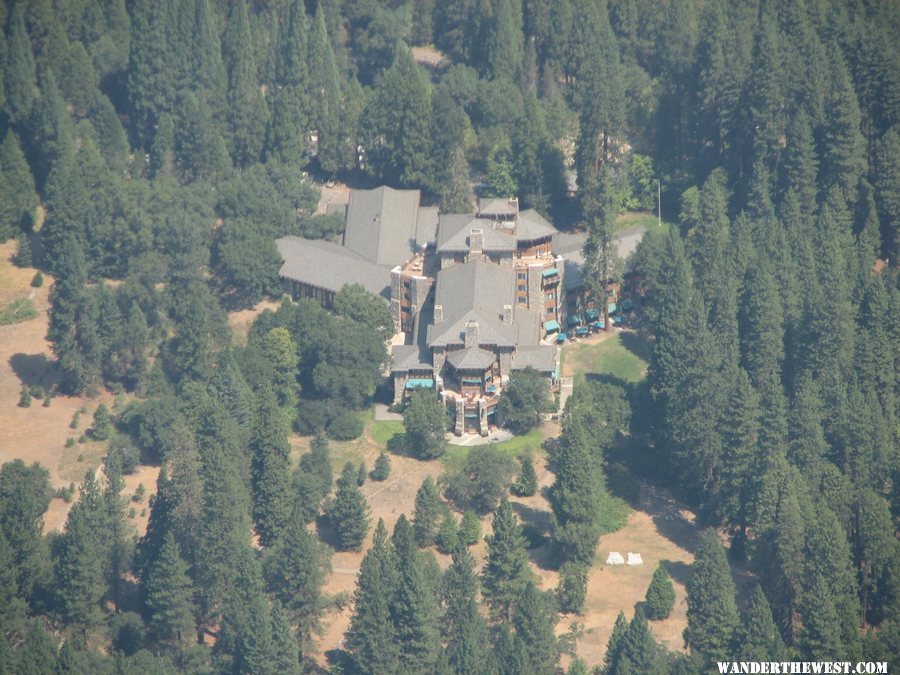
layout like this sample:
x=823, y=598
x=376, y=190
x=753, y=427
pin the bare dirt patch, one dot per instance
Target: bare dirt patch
x=241, y=320
x=36, y=433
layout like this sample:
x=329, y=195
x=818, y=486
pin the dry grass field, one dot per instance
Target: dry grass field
x=36, y=433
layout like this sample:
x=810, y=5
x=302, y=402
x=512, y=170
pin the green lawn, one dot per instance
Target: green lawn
x=17, y=311
x=384, y=431
x=530, y=442
x=610, y=357
x=635, y=218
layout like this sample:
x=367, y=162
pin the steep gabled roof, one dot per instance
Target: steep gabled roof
x=409, y=357
x=541, y=357
x=454, y=230
x=471, y=358
x=474, y=291
x=532, y=225
x=330, y=266
x=381, y=224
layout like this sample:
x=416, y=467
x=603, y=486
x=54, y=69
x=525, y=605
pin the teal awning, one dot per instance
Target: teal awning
x=550, y=272
x=419, y=383
x=574, y=319
x=551, y=325
x=592, y=314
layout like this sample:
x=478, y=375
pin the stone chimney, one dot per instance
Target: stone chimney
x=476, y=240
x=471, y=335
x=438, y=314
x=507, y=314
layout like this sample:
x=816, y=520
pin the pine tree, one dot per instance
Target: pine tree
x=712, y=613
x=887, y=189
x=81, y=585
x=637, y=651
x=12, y=605
x=614, y=645
x=37, y=653
x=295, y=571
x=19, y=74
x=842, y=145
x=427, y=513
x=464, y=629
x=284, y=645
x=759, y=637
x=396, y=126
x=382, y=468
x=526, y=483
x=534, y=620
x=312, y=480
x=325, y=88
x=349, y=513
x=447, y=535
x=801, y=163
x=151, y=75
x=506, y=571
x=660, y=597
x=509, y=652
x=247, y=111
x=413, y=606
x=572, y=589
x=470, y=528
x=270, y=467
x=456, y=189
x=18, y=198
x=504, y=42
x=425, y=423
x=169, y=596
x=370, y=637
x=102, y=425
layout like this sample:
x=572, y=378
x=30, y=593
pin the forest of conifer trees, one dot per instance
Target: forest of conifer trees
x=151, y=151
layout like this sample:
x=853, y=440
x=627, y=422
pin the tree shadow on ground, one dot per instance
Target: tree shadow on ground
x=671, y=518
x=679, y=571
x=637, y=342
x=536, y=528
x=34, y=370
x=326, y=533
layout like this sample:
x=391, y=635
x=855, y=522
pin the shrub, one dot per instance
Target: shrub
x=382, y=467
x=102, y=426
x=127, y=631
x=482, y=481
x=37, y=280
x=126, y=456
x=425, y=422
x=470, y=528
x=361, y=474
x=25, y=398
x=47, y=401
x=65, y=493
x=70, y=441
x=76, y=418
x=526, y=483
x=447, y=535
x=38, y=392
x=660, y=595
x=345, y=427
x=572, y=588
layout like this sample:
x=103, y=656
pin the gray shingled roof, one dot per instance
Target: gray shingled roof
x=542, y=358
x=471, y=358
x=454, y=230
x=475, y=291
x=497, y=206
x=381, y=224
x=532, y=225
x=409, y=357
x=330, y=266
x=426, y=225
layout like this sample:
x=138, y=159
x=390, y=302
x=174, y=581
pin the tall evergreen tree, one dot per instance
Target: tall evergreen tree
x=712, y=612
x=396, y=126
x=151, y=74
x=19, y=73
x=272, y=499
x=464, y=629
x=506, y=571
x=18, y=198
x=660, y=597
x=534, y=620
x=638, y=651
x=413, y=606
x=169, y=596
x=370, y=638
x=325, y=89
x=296, y=570
x=759, y=637
x=843, y=147
x=247, y=111
x=349, y=513
x=427, y=513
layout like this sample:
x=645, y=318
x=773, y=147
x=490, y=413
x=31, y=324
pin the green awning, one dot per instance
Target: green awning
x=551, y=325
x=550, y=272
x=419, y=383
